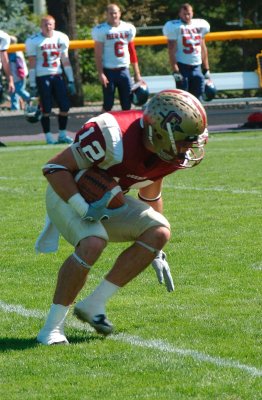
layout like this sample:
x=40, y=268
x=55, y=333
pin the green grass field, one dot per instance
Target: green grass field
x=201, y=342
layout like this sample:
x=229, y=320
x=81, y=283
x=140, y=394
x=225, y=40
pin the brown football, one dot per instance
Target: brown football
x=93, y=183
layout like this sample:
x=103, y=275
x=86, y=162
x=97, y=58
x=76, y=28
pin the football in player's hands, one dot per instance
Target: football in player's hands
x=95, y=182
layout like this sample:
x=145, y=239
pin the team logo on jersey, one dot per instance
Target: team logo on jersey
x=119, y=35
x=190, y=31
x=136, y=178
x=51, y=46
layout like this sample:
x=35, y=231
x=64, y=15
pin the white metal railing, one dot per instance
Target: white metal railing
x=222, y=81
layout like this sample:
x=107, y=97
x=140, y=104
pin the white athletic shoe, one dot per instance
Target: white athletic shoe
x=49, y=138
x=64, y=139
x=99, y=322
x=48, y=337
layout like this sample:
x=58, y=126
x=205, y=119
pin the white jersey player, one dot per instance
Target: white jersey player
x=4, y=62
x=46, y=51
x=187, y=51
x=188, y=38
x=4, y=41
x=114, y=52
x=116, y=40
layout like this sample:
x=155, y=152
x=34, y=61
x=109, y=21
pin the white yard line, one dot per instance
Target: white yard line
x=159, y=345
x=230, y=138
x=213, y=138
x=12, y=149
x=13, y=190
x=196, y=355
x=257, y=266
x=214, y=189
x=166, y=185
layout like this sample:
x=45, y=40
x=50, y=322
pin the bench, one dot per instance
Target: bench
x=223, y=81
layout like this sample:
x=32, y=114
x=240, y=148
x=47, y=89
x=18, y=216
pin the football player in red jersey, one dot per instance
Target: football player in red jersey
x=138, y=149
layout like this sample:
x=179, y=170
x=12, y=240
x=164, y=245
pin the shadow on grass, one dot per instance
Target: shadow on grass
x=9, y=343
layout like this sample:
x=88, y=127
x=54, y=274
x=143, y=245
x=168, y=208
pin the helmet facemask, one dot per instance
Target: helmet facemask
x=191, y=156
x=175, y=123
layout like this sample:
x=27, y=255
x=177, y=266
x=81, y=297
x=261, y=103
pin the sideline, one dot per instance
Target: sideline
x=158, y=345
x=40, y=137
x=214, y=189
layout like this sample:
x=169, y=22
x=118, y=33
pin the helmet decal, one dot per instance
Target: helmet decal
x=173, y=119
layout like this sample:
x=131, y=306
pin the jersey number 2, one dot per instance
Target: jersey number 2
x=94, y=151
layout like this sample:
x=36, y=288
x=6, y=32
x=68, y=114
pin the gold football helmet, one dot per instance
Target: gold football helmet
x=175, y=125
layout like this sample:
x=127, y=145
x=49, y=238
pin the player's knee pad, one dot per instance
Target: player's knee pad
x=148, y=247
x=80, y=261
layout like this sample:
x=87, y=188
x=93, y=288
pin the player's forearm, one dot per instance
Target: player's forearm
x=8, y=74
x=99, y=67
x=6, y=66
x=63, y=184
x=137, y=75
x=32, y=71
x=99, y=46
x=59, y=173
x=204, y=55
x=172, y=56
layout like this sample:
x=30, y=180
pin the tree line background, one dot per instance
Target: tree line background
x=77, y=17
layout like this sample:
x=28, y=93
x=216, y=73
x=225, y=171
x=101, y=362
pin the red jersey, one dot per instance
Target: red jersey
x=114, y=141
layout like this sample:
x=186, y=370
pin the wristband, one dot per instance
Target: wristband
x=78, y=203
x=32, y=77
x=69, y=73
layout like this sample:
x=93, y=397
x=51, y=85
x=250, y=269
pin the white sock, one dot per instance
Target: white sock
x=96, y=301
x=56, y=317
x=62, y=133
x=49, y=136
